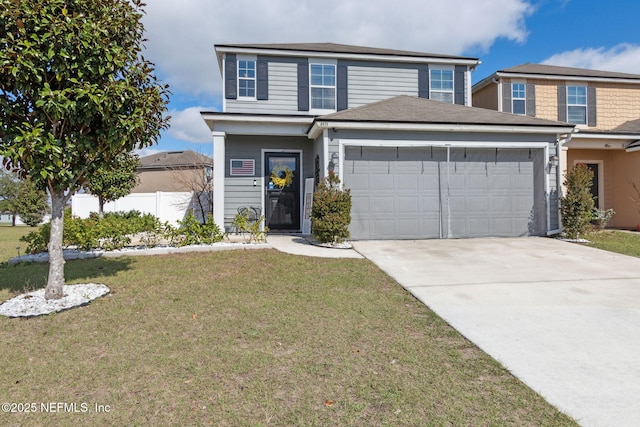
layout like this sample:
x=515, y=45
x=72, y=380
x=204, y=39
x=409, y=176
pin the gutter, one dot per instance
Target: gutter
x=318, y=125
x=632, y=146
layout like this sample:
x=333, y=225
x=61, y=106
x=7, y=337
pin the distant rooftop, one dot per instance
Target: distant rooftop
x=543, y=71
x=566, y=71
x=174, y=159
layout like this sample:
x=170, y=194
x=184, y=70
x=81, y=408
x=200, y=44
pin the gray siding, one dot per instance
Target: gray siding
x=239, y=191
x=371, y=84
x=283, y=93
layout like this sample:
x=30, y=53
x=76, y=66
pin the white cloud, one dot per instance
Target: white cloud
x=182, y=34
x=147, y=151
x=187, y=125
x=624, y=58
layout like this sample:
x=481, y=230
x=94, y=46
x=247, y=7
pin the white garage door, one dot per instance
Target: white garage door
x=417, y=193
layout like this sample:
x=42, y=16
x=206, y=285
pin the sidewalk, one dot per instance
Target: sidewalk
x=299, y=245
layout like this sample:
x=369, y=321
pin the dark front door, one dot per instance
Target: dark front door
x=282, y=193
x=593, y=167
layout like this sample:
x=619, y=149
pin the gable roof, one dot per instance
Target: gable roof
x=338, y=48
x=543, y=69
x=412, y=111
x=409, y=109
x=341, y=51
x=554, y=72
x=174, y=159
x=632, y=126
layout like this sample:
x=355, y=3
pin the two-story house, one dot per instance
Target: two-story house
x=399, y=130
x=605, y=109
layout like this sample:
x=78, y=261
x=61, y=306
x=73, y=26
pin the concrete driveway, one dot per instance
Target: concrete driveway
x=562, y=317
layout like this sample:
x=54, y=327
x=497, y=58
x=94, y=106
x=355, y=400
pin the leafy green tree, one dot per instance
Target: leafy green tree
x=9, y=189
x=22, y=198
x=31, y=203
x=577, y=205
x=75, y=93
x=114, y=180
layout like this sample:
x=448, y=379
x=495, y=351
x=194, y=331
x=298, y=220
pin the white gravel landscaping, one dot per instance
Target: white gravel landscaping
x=34, y=304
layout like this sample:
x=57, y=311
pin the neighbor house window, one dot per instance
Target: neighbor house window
x=518, y=98
x=441, y=85
x=577, y=105
x=323, y=87
x=246, y=79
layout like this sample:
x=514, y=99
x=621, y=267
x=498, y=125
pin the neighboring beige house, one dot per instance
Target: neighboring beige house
x=604, y=106
x=174, y=171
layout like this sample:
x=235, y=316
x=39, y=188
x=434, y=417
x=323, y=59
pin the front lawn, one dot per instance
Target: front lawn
x=10, y=241
x=623, y=242
x=249, y=338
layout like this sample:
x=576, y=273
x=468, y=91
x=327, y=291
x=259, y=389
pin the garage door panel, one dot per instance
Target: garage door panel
x=382, y=182
x=384, y=228
x=383, y=205
x=409, y=182
x=408, y=205
x=477, y=205
x=406, y=228
x=414, y=193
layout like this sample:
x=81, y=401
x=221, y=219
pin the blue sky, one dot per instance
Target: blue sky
x=181, y=36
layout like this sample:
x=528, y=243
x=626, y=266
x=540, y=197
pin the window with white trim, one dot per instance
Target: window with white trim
x=246, y=79
x=577, y=105
x=323, y=86
x=441, y=85
x=518, y=98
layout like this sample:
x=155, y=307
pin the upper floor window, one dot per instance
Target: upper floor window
x=577, y=105
x=441, y=85
x=246, y=79
x=518, y=98
x=323, y=86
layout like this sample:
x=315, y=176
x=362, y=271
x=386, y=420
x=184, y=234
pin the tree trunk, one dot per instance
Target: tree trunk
x=100, y=207
x=55, y=281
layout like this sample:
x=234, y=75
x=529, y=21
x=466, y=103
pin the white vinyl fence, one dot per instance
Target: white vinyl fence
x=165, y=206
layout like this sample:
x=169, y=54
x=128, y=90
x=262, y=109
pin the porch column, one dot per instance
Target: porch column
x=219, y=163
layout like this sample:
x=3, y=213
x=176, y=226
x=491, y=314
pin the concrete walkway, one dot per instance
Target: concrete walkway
x=562, y=317
x=299, y=245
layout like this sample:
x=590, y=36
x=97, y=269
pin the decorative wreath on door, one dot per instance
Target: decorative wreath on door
x=281, y=176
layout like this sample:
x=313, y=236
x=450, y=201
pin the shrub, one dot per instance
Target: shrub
x=113, y=231
x=255, y=232
x=602, y=217
x=331, y=211
x=37, y=240
x=577, y=206
x=191, y=232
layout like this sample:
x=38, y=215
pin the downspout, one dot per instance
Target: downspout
x=448, y=193
x=561, y=161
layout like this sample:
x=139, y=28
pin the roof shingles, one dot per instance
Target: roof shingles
x=408, y=109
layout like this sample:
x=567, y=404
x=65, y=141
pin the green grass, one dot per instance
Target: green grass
x=10, y=240
x=622, y=242
x=251, y=338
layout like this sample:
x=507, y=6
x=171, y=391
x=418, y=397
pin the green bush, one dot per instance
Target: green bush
x=115, y=230
x=602, y=217
x=191, y=232
x=37, y=241
x=253, y=229
x=331, y=212
x=577, y=206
